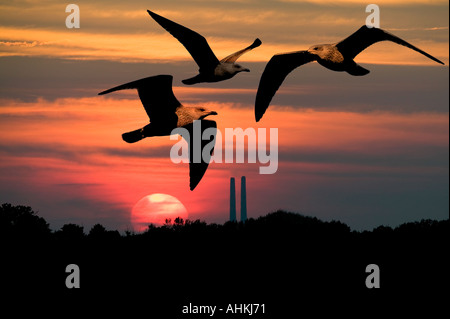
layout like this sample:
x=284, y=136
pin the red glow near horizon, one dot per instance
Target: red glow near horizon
x=78, y=153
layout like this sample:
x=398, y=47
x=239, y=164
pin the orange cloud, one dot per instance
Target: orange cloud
x=141, y=39
x=99, y=121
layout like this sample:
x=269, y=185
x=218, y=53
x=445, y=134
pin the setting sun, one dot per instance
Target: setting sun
x=155, y=209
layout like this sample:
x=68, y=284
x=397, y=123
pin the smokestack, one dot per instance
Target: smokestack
x=243, y=200
x=232, y=200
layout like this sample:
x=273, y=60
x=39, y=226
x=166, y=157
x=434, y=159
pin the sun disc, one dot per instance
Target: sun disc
x=155, y=209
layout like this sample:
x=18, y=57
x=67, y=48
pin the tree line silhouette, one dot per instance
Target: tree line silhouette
x=22, y=222
x=185, y=259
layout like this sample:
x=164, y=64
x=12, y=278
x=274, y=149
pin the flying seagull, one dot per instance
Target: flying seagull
x=337, y=57
x=166, y=114
x=211, y=69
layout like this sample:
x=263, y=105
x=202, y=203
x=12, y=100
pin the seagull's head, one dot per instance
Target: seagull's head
x=316, y=49
x=201, y=113
x=239, y=68
x=323, y=51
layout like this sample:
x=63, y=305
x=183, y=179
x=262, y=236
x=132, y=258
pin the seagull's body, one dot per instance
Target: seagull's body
x=166, y=114
x=211, y=69
x=336, y=57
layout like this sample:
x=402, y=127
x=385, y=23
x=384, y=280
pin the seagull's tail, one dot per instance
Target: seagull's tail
x=196, y=79
x=134, y=136
x=357, y=70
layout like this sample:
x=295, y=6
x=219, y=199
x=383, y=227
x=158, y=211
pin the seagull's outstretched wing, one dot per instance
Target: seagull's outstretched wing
x=195, y=43
x=200, y=150
x=233, y=57
x=365, y=37
x=273, y=76
x=156, y=96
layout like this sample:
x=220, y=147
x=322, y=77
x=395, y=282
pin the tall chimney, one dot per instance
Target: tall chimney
x=243, y=200
x=232, y=200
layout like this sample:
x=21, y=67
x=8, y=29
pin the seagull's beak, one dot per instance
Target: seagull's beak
x=208, y=114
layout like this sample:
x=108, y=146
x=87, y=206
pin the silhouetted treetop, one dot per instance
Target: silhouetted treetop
x=71, y=232
x=98, y=232
x=22, y=221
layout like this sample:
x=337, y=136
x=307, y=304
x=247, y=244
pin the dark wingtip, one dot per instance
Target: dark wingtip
x=192, y=186
x=433, y=58
x=257, y=43
x=152, y=14
x=106, y=91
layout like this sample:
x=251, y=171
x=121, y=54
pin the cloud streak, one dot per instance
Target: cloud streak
x=386, y=88
x=127, y=33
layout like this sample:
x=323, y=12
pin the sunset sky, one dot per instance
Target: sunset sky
x=367, y=151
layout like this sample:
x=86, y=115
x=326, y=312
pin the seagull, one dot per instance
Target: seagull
x=166, y=114
x=211, y=69
x=336, y=57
